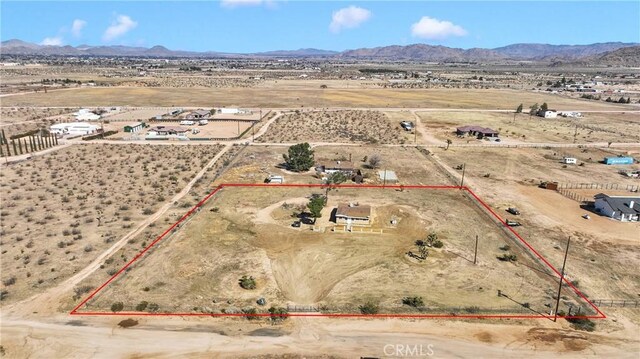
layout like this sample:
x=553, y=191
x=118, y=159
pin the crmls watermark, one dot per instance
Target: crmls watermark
x=408, y=350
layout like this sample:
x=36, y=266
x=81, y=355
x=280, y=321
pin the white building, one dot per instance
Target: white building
x=623, y=209
x=73, y=128
x=86, y=115
x=548, y=114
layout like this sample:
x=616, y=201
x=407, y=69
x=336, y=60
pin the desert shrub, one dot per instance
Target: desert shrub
x=508, y=257
x=278, y=314
x=472, y=309
x=374, y=161
x=9, y=281
x=247, y=282
x=250, y=313
x=147, y=211
x=88, y=248
x=81, y=290
x=585, y=324
x=153, y=307
x=142, y=306
x=117, y=307
x=369, y=308
x=413, y=301
x=506, y=247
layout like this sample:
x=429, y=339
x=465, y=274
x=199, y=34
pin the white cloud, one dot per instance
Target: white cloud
x=76, y=28
x=121, y=26
x=348, y=18
x=430, y=28
x=52, y=41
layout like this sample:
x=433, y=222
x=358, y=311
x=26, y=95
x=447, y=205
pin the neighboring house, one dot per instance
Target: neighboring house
x=548, y=113
x=478, y=131
x=86, y=115
x=353, y=215
x=624, y=209
x=167, y=130
x=73, y=128
x=330, y=167
x=198, y=114
x=134, y=127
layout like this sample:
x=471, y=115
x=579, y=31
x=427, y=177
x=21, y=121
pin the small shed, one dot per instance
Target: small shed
x=275, y=179
x=388, y=176
x=134, y=127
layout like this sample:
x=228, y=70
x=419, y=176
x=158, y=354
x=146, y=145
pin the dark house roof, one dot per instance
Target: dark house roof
x=477, y=129
x=621, y=204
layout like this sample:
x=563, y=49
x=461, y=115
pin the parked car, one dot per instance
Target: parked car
x=407, y=125
x=511, y=223
x=295, y=224
x=513, y=211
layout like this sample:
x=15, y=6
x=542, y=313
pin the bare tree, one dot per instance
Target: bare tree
x=374, y=161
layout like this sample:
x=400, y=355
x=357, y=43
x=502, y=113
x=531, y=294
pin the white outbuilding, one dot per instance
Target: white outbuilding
x=73, y=128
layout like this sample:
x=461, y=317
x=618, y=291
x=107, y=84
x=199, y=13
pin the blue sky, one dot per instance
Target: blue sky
x=262, y=25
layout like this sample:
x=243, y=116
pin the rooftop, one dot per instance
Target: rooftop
x=354, y=211
x=621, y=204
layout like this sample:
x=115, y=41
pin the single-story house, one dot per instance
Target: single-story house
x=73, y=128
x=330, y=167
x=353, y=214
x=167, y=130
x=134, y=127
x=548, y=113
x=198, y=114
x=621, y=208
x=478, y=131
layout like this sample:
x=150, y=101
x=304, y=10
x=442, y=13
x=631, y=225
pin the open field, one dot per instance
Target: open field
x=257, y=162
x=61, y=210
x=281, y=96
x=603, y=252
x=246, y=231
x=335, y=126
x=594, y=127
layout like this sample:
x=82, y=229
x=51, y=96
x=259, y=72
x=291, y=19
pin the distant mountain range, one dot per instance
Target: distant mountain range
x=416, y=52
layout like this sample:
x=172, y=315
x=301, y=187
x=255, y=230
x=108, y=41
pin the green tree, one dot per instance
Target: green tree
x=334, y=179
x=533, y=109
x=544, y=107
x=299, y=158
x=449, y=142
x=519, y=109
x=315, y=205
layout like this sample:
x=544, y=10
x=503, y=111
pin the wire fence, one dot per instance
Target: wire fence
x=604, y=186
x=574, y=196
x=621, y=303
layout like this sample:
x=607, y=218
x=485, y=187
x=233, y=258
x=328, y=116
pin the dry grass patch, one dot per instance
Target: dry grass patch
x=334, y=126
x=59, y=211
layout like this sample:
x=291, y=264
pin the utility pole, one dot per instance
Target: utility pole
x=575, y=134
x=566, y=252
x=475, y=256
x=464, y=167
x=384, y=178
x=415, y=135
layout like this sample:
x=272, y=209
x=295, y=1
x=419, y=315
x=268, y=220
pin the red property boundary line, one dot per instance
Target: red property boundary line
x=195, y=208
